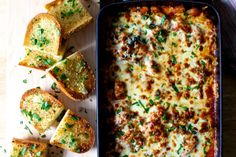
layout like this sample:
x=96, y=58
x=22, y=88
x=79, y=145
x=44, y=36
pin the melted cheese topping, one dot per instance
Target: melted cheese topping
x=164, y=90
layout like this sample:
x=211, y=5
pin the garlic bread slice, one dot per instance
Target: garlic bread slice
x=74, y=134
x=74, y=77
x=43, y=34
x=28, y=148
x=71, y=14
x=40, y=108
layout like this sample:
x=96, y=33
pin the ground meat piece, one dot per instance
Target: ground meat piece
x=120, y=90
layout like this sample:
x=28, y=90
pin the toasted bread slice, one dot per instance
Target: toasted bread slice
x=43, y=34
x=71, y=14
x=74, y=77
x=74, y=134
x=40, y=108
x=28, y=148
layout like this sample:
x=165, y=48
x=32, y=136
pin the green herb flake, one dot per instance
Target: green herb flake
x=118, y=111
x=44, y=76
x=160, y=36
x=163, y=19
x=120, y=133
x=179, y=149
x=30, y=71
x=197, y=46
x=38, y=154
x=175, y=88
x=203, y=63
x=54, y=86
x=151, y=102
x=144, y=17
x=69, y=125
x=188, y=88
x=131, y=67
x=23, y=151
x=28, y=129
x=75, y=118
x=55, y=70
x=34, y=146
x=63, y=76
x=46, y=106
x=171, y=129
x=173, y=59
x=185, y=108
x=145, y=109
x=174, y=44
x=37, y=117
x=63, y=141
x=164, y=117
x=24, y=81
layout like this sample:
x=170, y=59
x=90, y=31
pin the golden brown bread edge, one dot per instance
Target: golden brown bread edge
x=38, y=17
x=71, y=94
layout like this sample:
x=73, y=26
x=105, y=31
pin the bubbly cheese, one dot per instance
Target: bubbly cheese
x=164, y=82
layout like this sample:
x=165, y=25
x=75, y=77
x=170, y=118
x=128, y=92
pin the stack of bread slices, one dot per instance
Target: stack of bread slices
x=45, y=48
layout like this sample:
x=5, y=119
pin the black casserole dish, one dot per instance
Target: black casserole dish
x=158, y=79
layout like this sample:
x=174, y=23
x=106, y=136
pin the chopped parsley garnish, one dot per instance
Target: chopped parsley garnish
x=179, y=149
x=145, y=109
x=160, y=36
x=125, y=156
x=202, y=63
x=157, y=97
x=24, y=81
x=75, y=118
x=63, y=141
x=45, y=106
x=196, y=87
x=27, y=128
x=34, y=146
x=63, y=76
x=44, y=76
x=174, y=44
x=164, y=117
x=30, y=71
x=38, y=154
x=36, y=116
x=118, y=111
x=131, y=67
x=174, y=34
x=197, y=46
x=185, y=108
x=175, y=88
x=194, y=54
x=171, y=129
x=188, y=36
x=144, y=17
x=152, y=26
x=69, y=125
x=55, y=70
x=188, y=88
x=173, y=59
x=120, y=133
x=23, y=151
x=163, y=19
x=54, y=86
x=151, y=102
x=70, y=12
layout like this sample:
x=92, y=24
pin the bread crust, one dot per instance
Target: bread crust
x=36, y=20
x=40, y=146
x=90, y=83
x=48, y=97
x=81, y=125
